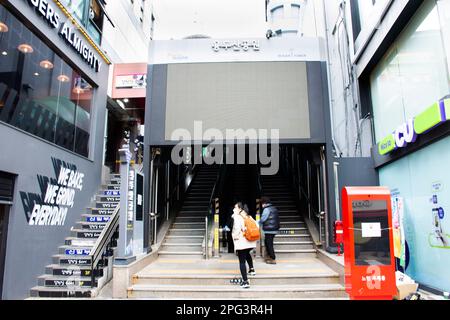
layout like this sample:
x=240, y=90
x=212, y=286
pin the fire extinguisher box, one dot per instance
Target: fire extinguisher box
x=368, y=241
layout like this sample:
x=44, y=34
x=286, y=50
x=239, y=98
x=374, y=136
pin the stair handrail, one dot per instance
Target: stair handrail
x=218, y=186
x=259, y=187
x=102, y=241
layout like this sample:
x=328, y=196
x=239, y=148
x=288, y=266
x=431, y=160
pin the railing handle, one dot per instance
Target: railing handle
x=206, y=238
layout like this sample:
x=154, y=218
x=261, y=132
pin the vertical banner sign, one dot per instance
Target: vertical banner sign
x=130, y=202
x=139, y=203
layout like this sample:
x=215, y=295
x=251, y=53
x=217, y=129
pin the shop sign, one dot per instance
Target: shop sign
x=131, y=81
x=66, y=31
x=236, y=45
x=408, y=132
x=130, y=200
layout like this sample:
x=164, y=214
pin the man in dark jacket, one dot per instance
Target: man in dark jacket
x=270, y=223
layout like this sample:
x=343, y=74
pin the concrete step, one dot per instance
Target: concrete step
x=103, y=198
x=291, y=219
x=293, y=237
x=181, y=248
x=68, y=271
x=293, y=245
x=106, y=205
x=95, y=218
x=305, y=291
x=190, y=219
x=115, y=181
x=180, y=253
x=113, y=187
x=188, y=225
x=89, y=234
x=100, y=211
x=186, y=232
x=296, y=253
x=75, y=250
x=184, y=213
x=63, y=259
x=73, y=282
x=293, y=231
x=202, y=279
x=289, y=225
x=77, y=242
x=203, y=209
x=91, y=225
x=109, y=193
x=195, y=240
x=194, y=207
x=49, y=292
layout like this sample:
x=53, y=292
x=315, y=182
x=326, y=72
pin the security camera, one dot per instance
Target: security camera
x=269, y=34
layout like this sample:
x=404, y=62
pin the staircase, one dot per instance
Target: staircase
x=241, y=184
x=70, y=273
x=186, y=235
x=293, y=238
x=193, y=278
x=298, y=274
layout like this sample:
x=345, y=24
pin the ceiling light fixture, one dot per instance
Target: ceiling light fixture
x=63, y=78
x=25, y=48
x=78, y=90
x=46, y=64
x=4, y=53
x=3, y=27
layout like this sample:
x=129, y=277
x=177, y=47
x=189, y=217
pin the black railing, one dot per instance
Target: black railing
x=104, y=244
x=259, y=186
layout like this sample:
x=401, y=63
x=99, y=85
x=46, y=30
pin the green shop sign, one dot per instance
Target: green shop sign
x=408, y=132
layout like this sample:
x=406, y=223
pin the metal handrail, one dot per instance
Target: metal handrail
x=102, y=241
x=217, y=187
x=260, y=190
x=206, y=238
x=298, y=184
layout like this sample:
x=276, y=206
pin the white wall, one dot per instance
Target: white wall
x=351, y=134
x=129, y=40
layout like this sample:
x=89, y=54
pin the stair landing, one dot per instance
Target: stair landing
x=175, y=277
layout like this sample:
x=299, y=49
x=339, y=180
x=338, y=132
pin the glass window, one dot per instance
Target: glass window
x=412, y=75
x=365, y=16
x=76, y=8
x=95, y=22
x=371, y=230
x=39, y=92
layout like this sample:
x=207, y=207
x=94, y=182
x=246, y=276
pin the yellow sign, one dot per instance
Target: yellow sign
x=216, y=239
x=216, y=218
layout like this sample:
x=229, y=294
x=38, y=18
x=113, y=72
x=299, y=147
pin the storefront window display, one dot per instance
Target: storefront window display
x=39, y=92
x=412, y=76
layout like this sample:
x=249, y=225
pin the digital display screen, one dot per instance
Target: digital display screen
x=238, y=95
x=371, y=232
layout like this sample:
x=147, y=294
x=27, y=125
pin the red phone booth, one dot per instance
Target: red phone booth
x=368, y=242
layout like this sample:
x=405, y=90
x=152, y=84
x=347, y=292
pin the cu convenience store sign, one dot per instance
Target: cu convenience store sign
x=408, y=132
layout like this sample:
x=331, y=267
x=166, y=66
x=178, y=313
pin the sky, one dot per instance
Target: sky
x=176, y=19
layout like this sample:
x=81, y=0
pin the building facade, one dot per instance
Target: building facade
x=57, y=108
x=53, y=101
x=400, y=55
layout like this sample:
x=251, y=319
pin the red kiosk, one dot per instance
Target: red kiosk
x=368, y=242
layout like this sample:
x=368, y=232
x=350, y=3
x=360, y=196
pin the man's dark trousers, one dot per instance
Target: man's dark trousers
x=268, y=241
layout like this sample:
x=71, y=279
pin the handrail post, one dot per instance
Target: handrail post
x=258, y=218
x=206, y=238
x=216, y=229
